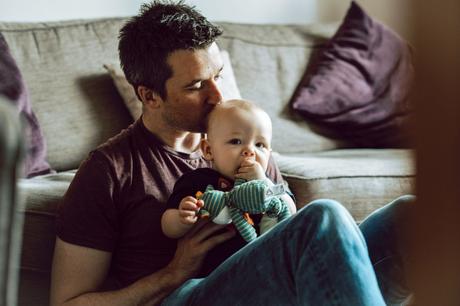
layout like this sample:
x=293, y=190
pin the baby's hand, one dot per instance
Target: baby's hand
x=188, y=208
x=250, y=170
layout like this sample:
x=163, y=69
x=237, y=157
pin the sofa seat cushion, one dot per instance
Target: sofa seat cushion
x=361, y=179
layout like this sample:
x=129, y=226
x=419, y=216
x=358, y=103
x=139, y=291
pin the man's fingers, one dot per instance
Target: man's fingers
x=198, y=226
x=218, y=239
x=201, y=232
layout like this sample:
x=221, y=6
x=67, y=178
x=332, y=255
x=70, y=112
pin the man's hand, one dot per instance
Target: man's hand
x=188, y=208
x=193, y=247
x=250, y=170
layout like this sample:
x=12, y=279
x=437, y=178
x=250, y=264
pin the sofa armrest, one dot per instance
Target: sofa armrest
x=11, y=151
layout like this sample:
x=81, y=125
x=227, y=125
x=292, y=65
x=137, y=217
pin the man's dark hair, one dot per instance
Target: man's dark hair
x=161, y=27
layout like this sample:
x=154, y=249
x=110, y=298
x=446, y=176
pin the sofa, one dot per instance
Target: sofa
x=79, y=107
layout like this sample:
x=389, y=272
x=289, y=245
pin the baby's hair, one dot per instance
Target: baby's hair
x=235, y=103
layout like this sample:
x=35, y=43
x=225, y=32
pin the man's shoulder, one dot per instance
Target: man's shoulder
x=114, y=152
x=119, y=142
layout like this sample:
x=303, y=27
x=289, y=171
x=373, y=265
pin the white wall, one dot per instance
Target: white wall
x=394, y=13
x=248, y=11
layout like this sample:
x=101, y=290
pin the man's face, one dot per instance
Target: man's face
x=234, y=134
x=192, y=90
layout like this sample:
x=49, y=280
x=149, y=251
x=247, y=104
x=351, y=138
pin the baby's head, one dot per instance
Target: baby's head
x=237, y=130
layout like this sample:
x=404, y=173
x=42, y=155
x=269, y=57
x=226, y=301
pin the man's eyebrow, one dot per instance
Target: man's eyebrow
x=200, y=80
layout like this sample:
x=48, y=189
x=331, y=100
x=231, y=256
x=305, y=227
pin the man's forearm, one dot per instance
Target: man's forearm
x=150, y=290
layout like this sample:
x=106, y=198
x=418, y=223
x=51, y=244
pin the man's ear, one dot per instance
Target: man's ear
x=206, y=149
x=148, y=97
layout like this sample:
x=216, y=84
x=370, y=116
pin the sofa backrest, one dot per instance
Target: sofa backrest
x=269, y=62
x=78, y=107
x=73, y=97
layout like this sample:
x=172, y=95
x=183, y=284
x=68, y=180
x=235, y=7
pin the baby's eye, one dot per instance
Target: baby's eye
x=235, y=141
x=260, y=145
x=218, y=77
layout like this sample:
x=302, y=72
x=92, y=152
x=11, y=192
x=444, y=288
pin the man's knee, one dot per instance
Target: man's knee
x=326, y=211
x=324, y=206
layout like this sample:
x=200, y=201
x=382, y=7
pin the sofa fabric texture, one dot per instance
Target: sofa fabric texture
x=72, y=95
x=78, y=107
x=13, y=87
x=359, y=85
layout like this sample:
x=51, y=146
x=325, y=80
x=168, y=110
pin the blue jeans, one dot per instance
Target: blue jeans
x=317, y=257
x=386, y=234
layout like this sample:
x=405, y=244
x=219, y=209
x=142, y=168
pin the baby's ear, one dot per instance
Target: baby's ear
x=206, y=149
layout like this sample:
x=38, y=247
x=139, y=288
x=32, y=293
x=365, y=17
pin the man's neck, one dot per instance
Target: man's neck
x=179, y=141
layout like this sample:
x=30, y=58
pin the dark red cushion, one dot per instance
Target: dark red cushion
x=13, y=87
x=358, y=89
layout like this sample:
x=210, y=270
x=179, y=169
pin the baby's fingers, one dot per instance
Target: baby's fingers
x=187, y=216
x=189, y=203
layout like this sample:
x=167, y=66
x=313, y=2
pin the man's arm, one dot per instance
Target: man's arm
x=78, y=272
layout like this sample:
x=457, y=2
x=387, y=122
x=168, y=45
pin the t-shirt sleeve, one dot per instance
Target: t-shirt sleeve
x=87, y=216
x=190, y=183
x=187, y=185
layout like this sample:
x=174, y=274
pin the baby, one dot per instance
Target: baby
x=239, y=145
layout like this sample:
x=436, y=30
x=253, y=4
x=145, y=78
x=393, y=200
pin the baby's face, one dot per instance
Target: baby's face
x=236, y=134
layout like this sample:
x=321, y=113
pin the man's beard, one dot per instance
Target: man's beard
x=185, y=125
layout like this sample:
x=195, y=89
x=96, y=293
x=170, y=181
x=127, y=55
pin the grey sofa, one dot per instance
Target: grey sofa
x=78, y=108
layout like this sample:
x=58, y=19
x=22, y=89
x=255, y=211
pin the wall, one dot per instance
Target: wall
x=397, y=14
x=249, y=11
x=394, y=13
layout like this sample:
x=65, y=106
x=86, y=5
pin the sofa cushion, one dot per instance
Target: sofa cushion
x=361, y=179
x=13, y=87
x=73, y=97
x=358, y=88
x=227, y=81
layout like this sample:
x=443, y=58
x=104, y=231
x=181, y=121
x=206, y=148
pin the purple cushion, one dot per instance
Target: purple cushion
x=358, y=89
x=12, y=86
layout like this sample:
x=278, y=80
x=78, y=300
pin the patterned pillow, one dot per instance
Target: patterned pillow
x=228, y=86
x=13, y=87
x=358, y=87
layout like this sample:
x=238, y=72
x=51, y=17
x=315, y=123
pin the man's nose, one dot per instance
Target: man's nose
x=215, y=95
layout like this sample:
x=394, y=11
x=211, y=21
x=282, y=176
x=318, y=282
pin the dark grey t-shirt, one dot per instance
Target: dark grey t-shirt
x=118, y=195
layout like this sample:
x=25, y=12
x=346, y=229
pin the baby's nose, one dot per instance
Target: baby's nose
x=248, y=153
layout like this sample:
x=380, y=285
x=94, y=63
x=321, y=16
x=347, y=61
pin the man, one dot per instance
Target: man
x=109, y=228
